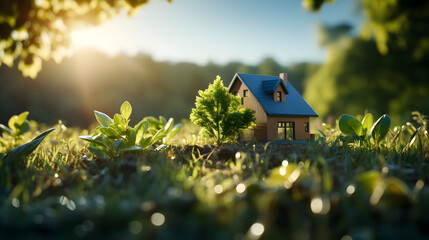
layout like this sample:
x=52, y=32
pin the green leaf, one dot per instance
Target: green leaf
x=369, y=180
x=3, y=143
x=152, y=131
x=141, y=129
x=21, y=118
x=6, y=129
x=169, y=125
x=25, y=150
x=158, y=136
x=396, y=186
x=132, y=148
x=367, y=124
x=131, y=137
x=162, y=120
x=97, y=152
x=126, y=110
x=414, y=137
x=109, y=132
x=12, y=122
x=93, y=140
x=146, y=142
x=350, y=125
x=153, y=122
x=19, y=124
x=25, y=127
x=380, y=128
x=120, y=122
x=119, y=144
x=173, y=132
x=103, y=119
x=86, y=138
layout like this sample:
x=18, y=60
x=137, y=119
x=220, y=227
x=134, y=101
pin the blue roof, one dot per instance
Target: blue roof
x=262, y=88
x=270, y=86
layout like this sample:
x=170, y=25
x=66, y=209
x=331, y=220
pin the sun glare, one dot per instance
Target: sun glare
x=89, y=37
x=110, y=39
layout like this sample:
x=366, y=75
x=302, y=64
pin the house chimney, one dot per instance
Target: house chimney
x=283, y=76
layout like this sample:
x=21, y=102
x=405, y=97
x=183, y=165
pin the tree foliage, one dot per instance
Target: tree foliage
x=393, y=24
x=219, y=113
x=383, y=69
x=36, y=30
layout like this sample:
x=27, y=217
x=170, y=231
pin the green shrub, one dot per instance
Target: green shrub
x=114, y=136
x=13, y=133
x=219, y=113
x=167, y=128
x=363, y=131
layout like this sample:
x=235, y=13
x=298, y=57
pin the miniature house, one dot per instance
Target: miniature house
x=280, y=111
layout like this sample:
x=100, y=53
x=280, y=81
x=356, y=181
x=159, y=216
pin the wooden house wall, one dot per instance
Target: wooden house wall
x=281, y=89
x=250, y=101
x=300, y=133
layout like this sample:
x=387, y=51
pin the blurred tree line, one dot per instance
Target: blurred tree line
x=90, y=80
x=384, y=69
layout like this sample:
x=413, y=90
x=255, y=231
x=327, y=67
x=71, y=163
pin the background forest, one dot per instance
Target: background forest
x=157, y=88
x=380, y=66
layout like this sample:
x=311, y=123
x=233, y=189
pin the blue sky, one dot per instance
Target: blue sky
x=219, y=31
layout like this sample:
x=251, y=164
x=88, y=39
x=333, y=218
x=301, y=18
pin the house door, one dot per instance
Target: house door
x=286, y=130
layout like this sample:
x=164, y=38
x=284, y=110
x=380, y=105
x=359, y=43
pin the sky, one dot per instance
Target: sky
x=219, y=31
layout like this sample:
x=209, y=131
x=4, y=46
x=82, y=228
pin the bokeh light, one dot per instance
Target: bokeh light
x=157, y=219
x=240, y=188
x=350, y=189
x=218, y=189
x=285, y=163
x=282, y=171
x=316, y=205
x=15, y=202
x=257, y=229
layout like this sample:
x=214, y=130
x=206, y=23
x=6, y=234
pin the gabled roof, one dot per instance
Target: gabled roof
x=262, y=88
x=270, y=86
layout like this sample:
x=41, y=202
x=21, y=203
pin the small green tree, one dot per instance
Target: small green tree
x=219, y=113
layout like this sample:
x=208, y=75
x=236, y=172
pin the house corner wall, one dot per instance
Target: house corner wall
x=250, y=101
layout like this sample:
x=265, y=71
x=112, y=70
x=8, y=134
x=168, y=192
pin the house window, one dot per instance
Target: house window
x=242, y=100
x=278, y=96
x=245, y=93
x=306, y=126
x=286, y=130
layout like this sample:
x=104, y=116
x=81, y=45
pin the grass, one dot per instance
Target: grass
x=333, y=188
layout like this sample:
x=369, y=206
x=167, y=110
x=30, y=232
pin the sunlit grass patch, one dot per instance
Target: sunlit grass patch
x=251, y=190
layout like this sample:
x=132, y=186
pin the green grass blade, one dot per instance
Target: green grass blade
x=6, y=129
x=414, y=137
x=26, y=149
x=93, y=140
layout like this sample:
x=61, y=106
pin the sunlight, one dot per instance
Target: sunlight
x=89, y=37
x=111, y=38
